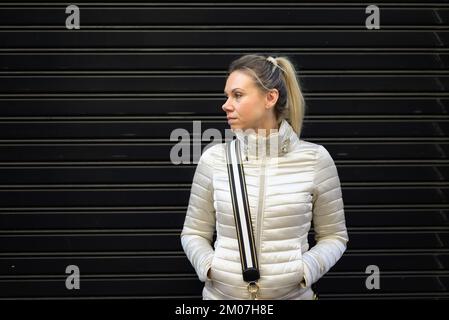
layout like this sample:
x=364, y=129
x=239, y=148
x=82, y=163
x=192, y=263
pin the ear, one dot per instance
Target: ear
x=271, y=98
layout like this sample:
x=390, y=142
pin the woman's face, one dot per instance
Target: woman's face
x=245, y=104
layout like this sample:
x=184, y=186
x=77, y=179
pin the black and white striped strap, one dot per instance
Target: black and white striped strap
x=242, y=215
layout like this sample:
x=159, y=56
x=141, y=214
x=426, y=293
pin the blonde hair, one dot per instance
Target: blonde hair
x=276, y=73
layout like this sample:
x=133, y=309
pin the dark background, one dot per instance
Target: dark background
x=86, y=117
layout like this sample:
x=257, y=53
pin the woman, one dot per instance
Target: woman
x=288, y=187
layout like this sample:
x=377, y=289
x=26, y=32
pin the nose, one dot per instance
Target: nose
x=227, y=106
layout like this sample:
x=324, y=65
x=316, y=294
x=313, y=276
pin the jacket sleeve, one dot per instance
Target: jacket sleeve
x=199, y=224
x=328, y=220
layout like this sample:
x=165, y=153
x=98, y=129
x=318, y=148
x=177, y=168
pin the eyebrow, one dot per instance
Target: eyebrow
x=232, y=90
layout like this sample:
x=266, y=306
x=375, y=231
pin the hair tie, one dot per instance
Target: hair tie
x=275, y=63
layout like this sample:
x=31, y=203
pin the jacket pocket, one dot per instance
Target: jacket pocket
x=211, y=268
x=301, y=267
x=305, y=275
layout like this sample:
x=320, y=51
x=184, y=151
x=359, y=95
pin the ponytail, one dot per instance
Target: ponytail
x=295, y=100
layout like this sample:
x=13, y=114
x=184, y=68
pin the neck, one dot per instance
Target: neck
x=268, y=126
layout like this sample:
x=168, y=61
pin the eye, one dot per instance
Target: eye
x=236, y=95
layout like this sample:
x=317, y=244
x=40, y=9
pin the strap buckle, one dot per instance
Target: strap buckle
x=253, y=289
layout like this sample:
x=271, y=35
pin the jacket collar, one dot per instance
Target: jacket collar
x=254, y=146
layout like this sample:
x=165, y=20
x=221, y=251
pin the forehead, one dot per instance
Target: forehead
x=238, y=79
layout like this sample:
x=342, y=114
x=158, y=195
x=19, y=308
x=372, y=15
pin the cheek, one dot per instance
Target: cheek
x=249, y=110
x=243, y=109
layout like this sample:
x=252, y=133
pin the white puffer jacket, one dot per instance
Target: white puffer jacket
x=285, y=191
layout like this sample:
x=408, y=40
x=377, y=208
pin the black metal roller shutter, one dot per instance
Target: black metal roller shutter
x=86, y=117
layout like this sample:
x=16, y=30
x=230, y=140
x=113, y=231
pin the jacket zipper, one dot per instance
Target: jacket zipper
x=260, y=211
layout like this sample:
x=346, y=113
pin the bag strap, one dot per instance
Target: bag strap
x=242, y=215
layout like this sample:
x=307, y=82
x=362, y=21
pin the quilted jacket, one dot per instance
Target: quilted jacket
x=288, y=190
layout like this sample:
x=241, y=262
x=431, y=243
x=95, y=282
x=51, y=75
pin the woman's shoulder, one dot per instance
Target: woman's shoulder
x=212, y=152
x=320, y=152
x=306, y=146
